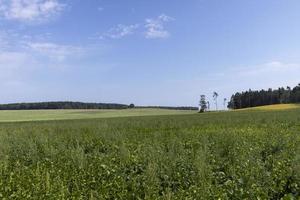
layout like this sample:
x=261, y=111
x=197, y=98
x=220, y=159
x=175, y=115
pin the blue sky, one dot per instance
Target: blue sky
x=149, y=52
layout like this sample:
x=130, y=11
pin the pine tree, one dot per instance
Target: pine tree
x=202, y=103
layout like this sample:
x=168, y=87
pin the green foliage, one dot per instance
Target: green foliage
x=61, y=105
x=81, y=105
x=203, y=103
x=230, y=155
x=131, y=105
x=42, y=115
x=265, y=97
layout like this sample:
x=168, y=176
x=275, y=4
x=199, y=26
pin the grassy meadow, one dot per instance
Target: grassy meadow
x=273, y=107
x=47, y=115
x=226, y=155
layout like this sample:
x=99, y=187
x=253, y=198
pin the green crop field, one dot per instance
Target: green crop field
x=46, y=115
x=273, y=107
x=226, y=155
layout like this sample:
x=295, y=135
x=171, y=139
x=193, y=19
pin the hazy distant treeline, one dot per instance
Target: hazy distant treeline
x=170, y=108
x=265, y=97
x=61, y=105
x=79, y=105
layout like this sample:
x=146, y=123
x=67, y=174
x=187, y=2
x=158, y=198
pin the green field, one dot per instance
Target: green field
x=226, y=155
x=46, y=115
x=273, y=107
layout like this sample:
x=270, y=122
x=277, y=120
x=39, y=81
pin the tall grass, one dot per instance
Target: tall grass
x=234, y=155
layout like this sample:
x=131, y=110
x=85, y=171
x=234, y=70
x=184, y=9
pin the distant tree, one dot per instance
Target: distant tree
x=231, y=104
x=131, y=105
x=288, y=95
x=202, y=103
x=225, y=100
x=215, y=96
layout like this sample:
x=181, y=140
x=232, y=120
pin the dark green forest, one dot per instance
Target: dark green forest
x=79, y=105
x=170, y=107
x=253, y=98
x=61, y=105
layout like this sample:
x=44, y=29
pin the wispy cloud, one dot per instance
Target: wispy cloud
x=261, y=76
x=32, y=55
x=100, y=9
x=152, y=28
x=266, y=68
x=120, y=31
x=40, y=47
x=30, y=10
x=156, y=27
x=54, y=51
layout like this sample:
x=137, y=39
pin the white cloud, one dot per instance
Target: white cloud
x=55, y=51
x=155, y=27
x=120, y=31
x=30, y=10
x=261, y=76
x=267, y=68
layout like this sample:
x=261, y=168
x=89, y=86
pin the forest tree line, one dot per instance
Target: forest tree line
x=79, y=105
x=61, y=105
x=253, y=98
x=170, y=107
